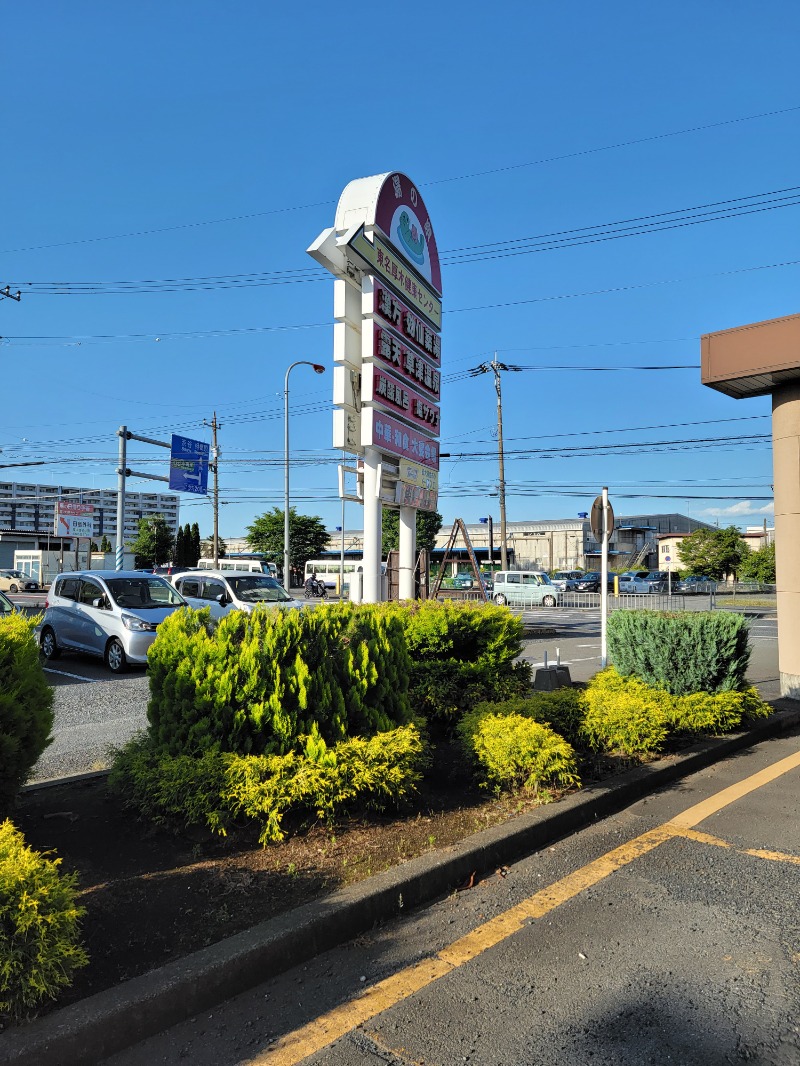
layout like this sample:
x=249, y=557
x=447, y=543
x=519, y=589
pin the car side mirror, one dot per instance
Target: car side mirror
x=222, y=599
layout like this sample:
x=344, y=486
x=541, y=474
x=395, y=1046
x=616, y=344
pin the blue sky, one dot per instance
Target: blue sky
x=171, y=141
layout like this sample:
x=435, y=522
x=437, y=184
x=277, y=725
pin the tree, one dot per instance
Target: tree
x=759, y=565
x=194, y=543
x=715, y=552
x=180, y=548
x=307, y=536
x=428, y=525
x=207, y=548
x=105, y=544
x=154, y=543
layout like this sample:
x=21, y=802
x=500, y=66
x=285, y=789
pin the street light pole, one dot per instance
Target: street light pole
x=318, y=369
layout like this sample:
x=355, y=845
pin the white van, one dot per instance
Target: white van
x=524, y=588
x=231, y=590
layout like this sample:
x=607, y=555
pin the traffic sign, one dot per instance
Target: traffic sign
x=596, y=520
x=188, y=465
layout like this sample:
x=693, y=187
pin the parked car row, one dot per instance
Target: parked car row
x=115, y=614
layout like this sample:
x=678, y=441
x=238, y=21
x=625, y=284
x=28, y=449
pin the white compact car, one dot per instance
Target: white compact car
x=232, y=590
x=113, y=614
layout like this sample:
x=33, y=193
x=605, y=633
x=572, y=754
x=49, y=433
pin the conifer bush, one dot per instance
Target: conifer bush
x=462, y=653
x=40, y=945
x=511, y=751
x=26, y=705
x=255, y=683
x=694, y=651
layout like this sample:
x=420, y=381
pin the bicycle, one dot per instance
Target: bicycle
x=315, y=587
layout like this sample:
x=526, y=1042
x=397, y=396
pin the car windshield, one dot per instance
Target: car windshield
x=143, y=593
x=6, y=606
x=259, y=588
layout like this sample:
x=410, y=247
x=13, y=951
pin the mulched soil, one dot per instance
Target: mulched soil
x=152, y=895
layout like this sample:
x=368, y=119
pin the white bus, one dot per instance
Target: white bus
x=252, y=561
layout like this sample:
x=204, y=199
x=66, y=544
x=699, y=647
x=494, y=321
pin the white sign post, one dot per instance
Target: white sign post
x=387, y=356
x=602, y=523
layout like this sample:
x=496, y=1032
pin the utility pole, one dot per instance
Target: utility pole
x=214, y=464
x=495, y=367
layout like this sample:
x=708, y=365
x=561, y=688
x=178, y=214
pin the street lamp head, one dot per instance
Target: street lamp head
x=318, y=369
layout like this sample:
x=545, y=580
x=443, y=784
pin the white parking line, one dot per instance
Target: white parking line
x=63, y=673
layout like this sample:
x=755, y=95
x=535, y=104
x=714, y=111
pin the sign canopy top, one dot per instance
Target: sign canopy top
x=392, y=203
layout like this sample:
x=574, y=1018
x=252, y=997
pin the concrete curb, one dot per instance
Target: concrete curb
x=110, y=1021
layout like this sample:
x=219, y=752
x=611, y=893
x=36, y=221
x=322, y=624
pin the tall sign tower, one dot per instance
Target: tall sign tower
x=387, y=356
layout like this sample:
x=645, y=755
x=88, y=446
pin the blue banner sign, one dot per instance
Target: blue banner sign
x=188, y=465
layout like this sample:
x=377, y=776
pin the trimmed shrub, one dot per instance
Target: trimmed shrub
x=462, y=653
x=624, y=715
x=318, y=781
x=695, y=651
x=722, y=712
x=514, y=752
x=26, y=705
x=39, y=927
x=256, y=683
x=563, y=710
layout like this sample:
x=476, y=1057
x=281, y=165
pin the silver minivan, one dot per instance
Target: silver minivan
x=524, y=588
x=113, y=614
x=231, y=590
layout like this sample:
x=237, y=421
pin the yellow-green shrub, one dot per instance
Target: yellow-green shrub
x=317, y=781
x=512, y=752
x=39, y=926
x=722, y=712
x=624, y=714
x=26, y=705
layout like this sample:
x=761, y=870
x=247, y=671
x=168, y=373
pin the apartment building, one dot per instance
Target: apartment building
x=27, y=513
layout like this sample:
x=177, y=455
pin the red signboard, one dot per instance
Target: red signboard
x=418, y=409
x=399, y=315
x=387, y=348
x=388, y=435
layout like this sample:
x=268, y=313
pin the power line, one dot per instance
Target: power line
x=440, y=181
x=570, y=238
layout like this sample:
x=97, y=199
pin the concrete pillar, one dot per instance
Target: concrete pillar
x=373, y=523
x=407, y=553
x=786, y=466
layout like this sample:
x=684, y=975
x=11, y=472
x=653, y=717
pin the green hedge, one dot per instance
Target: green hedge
x=318, y=781
x=695, y=651
x=563, y=709
x=462, y=653
x=26, y=705
x=39, y=927
x=256, y=683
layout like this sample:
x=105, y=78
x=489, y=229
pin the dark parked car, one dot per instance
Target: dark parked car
x=590, y=582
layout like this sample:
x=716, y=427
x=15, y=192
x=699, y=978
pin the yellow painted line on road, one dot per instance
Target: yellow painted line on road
x=692, y=816
x=758, y=853
x=291, y=1049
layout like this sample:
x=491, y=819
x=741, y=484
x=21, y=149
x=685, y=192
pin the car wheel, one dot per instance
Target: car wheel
x=13, y=588
x=47, y=642
x=500, y=599
x=116, y=659
x=549, y=601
